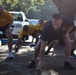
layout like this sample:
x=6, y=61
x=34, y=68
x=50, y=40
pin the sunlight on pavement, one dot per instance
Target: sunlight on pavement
x=26, y=50
x=50, y=72
x=75, y=51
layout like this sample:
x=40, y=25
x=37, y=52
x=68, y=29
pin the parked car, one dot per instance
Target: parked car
x=33, y=21
x=19, y=21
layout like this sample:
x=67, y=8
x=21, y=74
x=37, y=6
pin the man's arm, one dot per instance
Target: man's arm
x=67, y=34
x=18, y=42
x=42, y=50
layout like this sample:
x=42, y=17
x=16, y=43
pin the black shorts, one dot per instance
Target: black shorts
x=61, y=41
x=34, y=33
x=50, y=36
x=3, y=29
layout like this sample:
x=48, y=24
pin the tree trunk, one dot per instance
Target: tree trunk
x=66, y=7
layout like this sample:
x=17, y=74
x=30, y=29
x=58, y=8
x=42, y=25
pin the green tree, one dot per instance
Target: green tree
x=23, y=5
x=33, y=14
x=47, y=9
x=8, y=4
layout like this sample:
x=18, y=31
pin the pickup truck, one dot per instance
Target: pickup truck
x=19, y=21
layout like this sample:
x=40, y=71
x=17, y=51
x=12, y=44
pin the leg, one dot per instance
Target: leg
x=67, y=42
x=32, y=39
x=54, y=43
x=67, y=48
x=36, y=35
x=37, y=50
x=22, y=39
x=37, y=38
x=10, y=41
x=73, y=47
x=17, y=45
x=73, y=44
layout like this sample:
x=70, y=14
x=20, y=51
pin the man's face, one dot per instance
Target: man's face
x=26, y=30
x=56, y=23
x=40, y=23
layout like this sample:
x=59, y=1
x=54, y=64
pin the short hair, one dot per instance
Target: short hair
x=25, y=27
x=57, y=16
x=41, y=20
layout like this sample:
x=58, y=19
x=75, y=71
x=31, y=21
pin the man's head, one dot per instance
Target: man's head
x=1, y=10
x=56, y=21
x=40, y=22
x=25, y=28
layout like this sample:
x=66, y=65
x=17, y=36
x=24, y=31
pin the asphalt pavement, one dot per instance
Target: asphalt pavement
x=19, y=65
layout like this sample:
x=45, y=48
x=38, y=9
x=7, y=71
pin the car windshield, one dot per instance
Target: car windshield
x=34, y=22
x=17, y=17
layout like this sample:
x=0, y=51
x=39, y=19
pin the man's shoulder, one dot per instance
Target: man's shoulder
x=67, y=20
x=48, y=23
x=5, y=11
x=65, y=17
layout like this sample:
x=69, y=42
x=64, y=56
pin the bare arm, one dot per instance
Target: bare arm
x=67, y=34
x=18, y=42
x=42, y=50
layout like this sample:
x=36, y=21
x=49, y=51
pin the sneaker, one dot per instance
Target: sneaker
x=68, y=66
x=72, y=55
x=16, y=49
x=32, y=64
x=32, y=45
x=10, y=55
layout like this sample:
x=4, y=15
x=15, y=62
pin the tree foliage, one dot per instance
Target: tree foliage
x=19, y=5
x=48, y=9
x=33, y=14
x=43, y=12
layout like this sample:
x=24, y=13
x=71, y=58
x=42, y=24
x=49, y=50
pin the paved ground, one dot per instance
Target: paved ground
x=18, y=65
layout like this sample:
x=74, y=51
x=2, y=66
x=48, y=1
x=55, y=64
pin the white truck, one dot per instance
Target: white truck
x=19, y=21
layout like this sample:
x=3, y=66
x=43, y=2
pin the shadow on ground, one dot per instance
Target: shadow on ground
x=19, y=65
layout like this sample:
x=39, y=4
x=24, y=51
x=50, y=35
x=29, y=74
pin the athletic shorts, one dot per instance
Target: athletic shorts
x=61, y=41
x=34, y=33
x=3, y=29
x=50, y=36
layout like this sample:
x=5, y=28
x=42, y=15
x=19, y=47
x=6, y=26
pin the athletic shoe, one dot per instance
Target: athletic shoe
x=32, y=45
x=68, y=66
x=10, y=55
x=32, y=64
x=72, y=55
x=16, y=49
